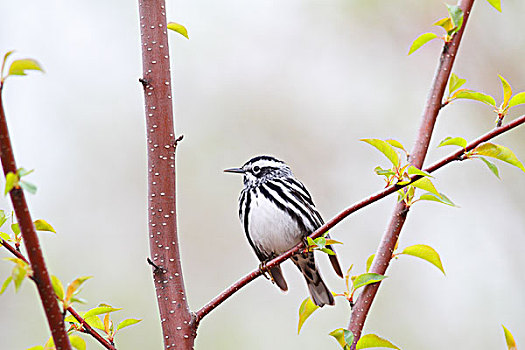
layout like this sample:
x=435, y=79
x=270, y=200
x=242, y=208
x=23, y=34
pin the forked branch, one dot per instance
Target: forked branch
x=417, y=157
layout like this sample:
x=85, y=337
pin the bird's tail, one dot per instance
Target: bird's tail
x=319, y=292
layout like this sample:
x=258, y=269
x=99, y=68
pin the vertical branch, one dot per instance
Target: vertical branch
x=34, y=252
x=176, y=319
x=417, y=158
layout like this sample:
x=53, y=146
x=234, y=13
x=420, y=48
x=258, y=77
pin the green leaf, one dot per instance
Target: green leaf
x=517, y=99
x=16, y=229
x=127, y=322
x=306, y=309
x=507, y=91
x=71, y=319
x=77, y=342
x=474, y=95
x=344, y=337
x=456, y=15
x=511, y=343
x=396, y=144
x=73, y=287
x=3, y=218
x=57, y=287
x=78, y=300
x=424, y=252
x=385, y=148
x=50, y=344
x=491, y=166
x=453, y=141
x=11, y=180
x=19, y=273
x=179, y=28
x=412, y=170
x=5, y=236
x=369, y=262
x=367, y=278
x=95, y=322
x=7, y=54
x=496, y=4
x=21, y=172
x=5, y=284
x=100, y=310
x=432, y=197
x=499, y=152
x=455, y=83
x=425, y=184
x=28, y=186
x=327, y=251
x=19, y=67
x=332, y=241
x=383, y=172
x=445, y=23
x=420, y=41
x=374, y=341
x=320, y=242
x=311, y=242
x=42, y=225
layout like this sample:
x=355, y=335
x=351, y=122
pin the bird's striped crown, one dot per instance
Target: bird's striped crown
x=262, y=168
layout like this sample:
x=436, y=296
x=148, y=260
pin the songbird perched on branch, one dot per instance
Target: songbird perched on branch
x=277, y=212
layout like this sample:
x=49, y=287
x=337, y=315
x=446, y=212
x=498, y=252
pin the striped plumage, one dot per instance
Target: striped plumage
x=277, y=212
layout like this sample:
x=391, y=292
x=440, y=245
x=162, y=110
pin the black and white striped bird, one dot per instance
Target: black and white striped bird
x=277, y=212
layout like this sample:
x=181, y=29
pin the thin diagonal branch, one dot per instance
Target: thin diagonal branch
x=417, y=157
x=219, y=299
x=88, y=329
x=32, y=244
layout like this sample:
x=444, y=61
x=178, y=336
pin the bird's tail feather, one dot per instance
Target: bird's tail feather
x=278, y=278
x=319, y=292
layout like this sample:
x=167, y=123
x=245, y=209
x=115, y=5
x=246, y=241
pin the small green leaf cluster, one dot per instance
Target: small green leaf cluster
x=93, y=318
x=486, y=149
x=353, y=283
x=322, y=244
x=68, y=296
x=509, y=100
x=17, y=67
x=401, y=174
x=13, y=180
x=76, y=342
x=15, y=235
x=345, y=338
x=20, y=271
x=451, y=24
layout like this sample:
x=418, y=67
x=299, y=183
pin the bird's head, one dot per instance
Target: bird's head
x=260, y=169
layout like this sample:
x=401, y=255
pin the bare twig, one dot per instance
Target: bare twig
x=177, y=328
x=32, y=244
x=219, y=299
x=417, y=158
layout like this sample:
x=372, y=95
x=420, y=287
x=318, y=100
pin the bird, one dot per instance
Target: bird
x=277, y=212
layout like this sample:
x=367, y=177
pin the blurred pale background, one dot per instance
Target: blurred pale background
x=303, y=80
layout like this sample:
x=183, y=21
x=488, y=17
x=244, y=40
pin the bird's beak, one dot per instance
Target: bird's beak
x=234, y=170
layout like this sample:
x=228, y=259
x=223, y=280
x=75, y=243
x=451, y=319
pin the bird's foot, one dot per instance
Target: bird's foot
x=265, y=271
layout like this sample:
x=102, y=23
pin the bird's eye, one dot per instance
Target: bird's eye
x=256, y=169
